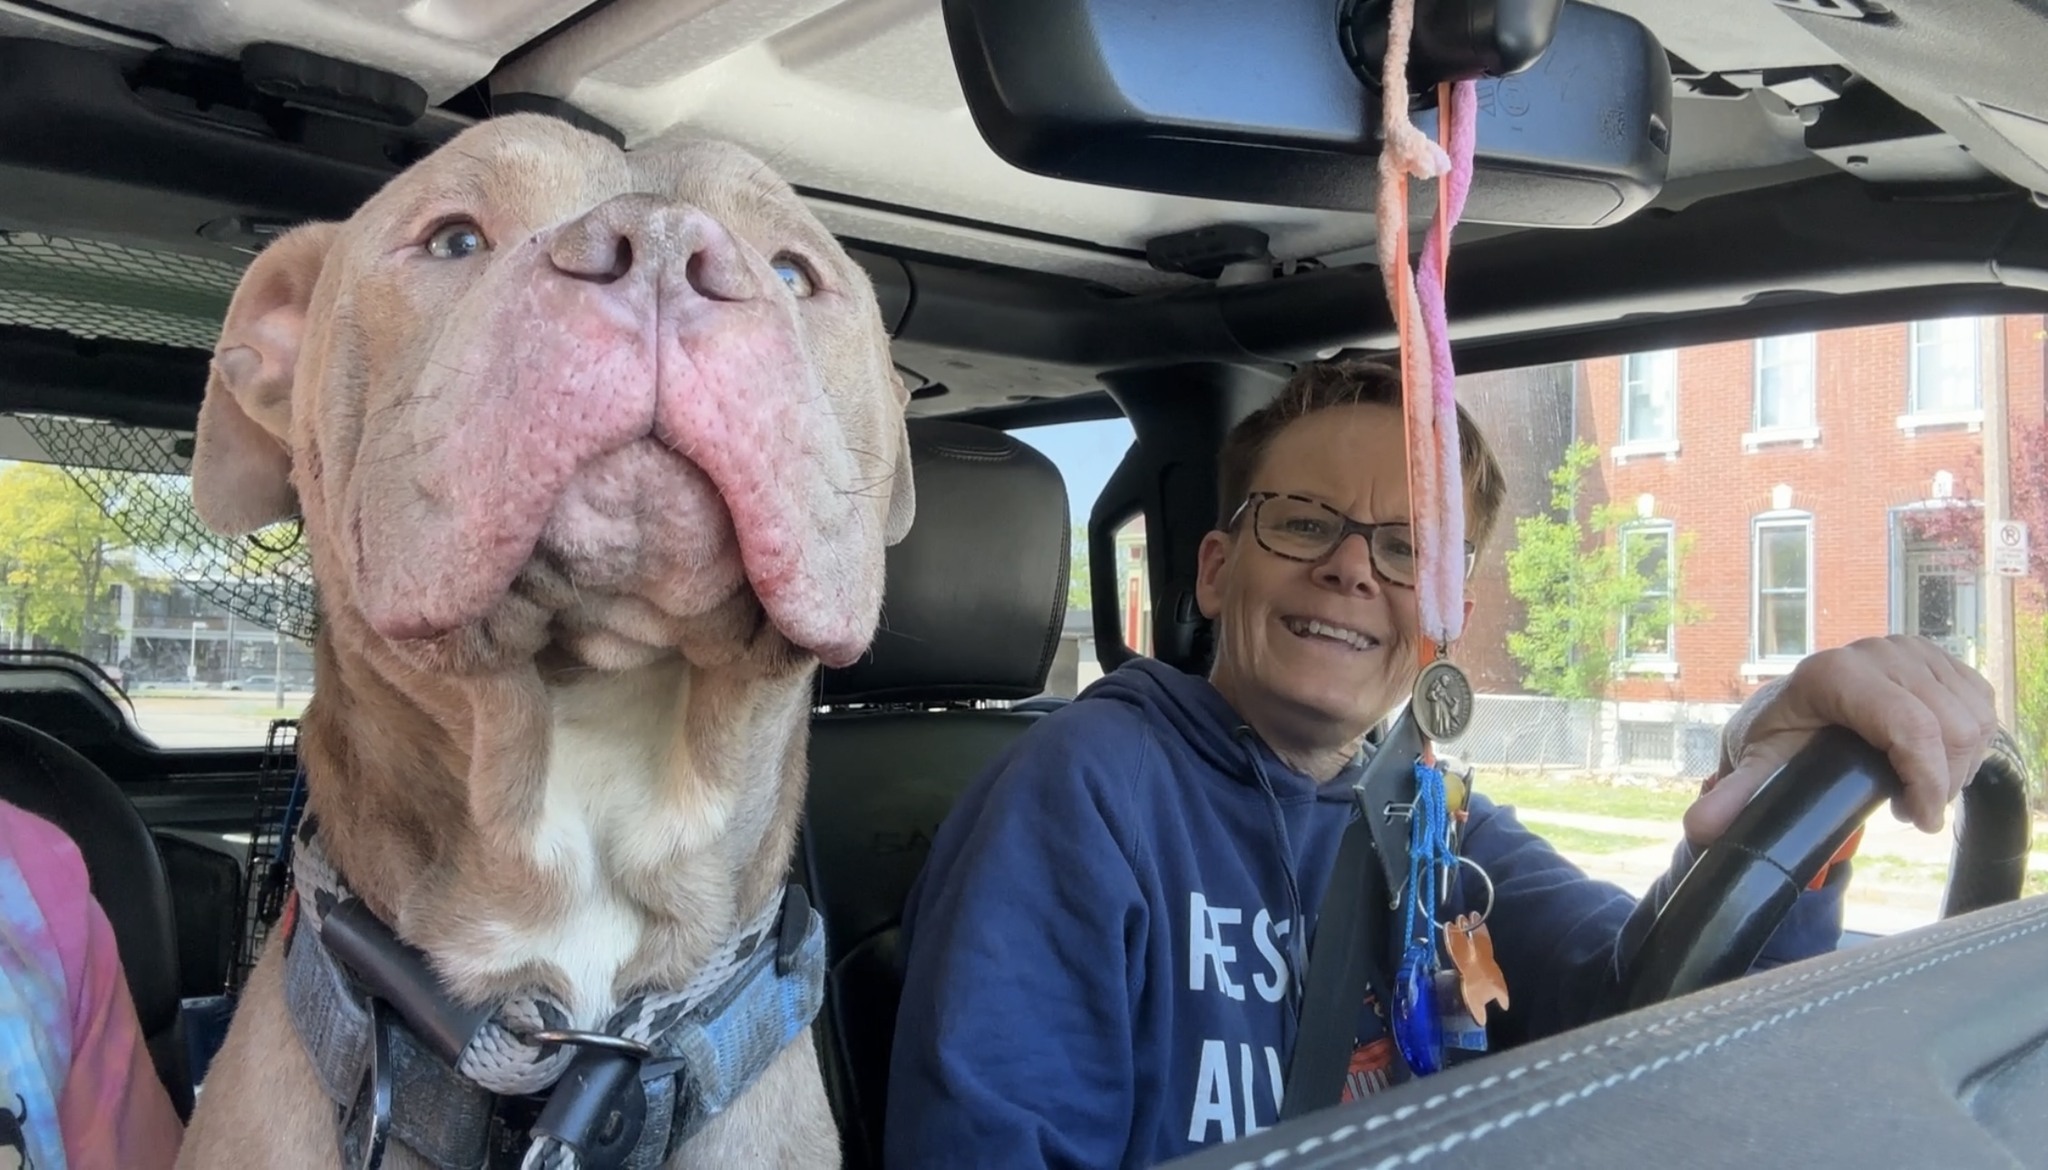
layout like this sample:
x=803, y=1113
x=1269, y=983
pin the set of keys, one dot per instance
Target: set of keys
x=1441, y=1008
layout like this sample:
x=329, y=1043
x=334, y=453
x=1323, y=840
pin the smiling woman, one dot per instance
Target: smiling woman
x=1180, y=832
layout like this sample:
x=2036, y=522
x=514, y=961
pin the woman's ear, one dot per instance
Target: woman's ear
x=1212, y=560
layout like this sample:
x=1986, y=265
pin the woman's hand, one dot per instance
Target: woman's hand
x=1930, y=714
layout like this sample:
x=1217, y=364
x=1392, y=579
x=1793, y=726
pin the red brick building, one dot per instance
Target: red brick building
x=1793, y=467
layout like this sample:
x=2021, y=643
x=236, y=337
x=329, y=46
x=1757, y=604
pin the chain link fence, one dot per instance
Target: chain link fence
x=1599, y=736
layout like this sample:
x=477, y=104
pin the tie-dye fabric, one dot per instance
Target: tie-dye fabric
x=77, y=1089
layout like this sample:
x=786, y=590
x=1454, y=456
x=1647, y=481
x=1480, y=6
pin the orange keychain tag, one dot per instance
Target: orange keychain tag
x=1479, y=977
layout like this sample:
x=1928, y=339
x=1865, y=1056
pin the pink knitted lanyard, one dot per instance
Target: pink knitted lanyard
x=1436, y=499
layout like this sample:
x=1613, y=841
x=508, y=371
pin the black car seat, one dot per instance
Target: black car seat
x=41, y=775
x=972, y=611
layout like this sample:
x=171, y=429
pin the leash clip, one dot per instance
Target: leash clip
x=599, y=1107
x=547, y=1038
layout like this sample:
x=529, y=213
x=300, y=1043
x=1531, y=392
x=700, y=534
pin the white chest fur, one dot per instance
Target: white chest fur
x=610, y=807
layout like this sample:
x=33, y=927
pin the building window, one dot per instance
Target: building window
x=1782, y=569
x=1784, y=383
x=1649, y=399
x=1646, y=626
x=1944, y=376
x=1638, y=742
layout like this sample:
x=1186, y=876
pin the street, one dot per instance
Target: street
x=189, y=719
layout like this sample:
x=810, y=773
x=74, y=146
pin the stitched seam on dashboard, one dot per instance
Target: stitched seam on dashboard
x=1443, y=1144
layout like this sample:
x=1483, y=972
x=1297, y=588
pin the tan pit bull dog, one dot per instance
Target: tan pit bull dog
x=597, y=454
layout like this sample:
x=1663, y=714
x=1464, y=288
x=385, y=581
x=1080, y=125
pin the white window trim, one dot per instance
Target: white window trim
x=1668, y=448
x=1667, y=445
x=1663, y=665
x=1758, y=665
x=1806, y=435
x=1973, y=417
x=1913, y=424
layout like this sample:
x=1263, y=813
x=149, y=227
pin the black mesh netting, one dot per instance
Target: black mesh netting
x=94, y=289
x=265, y=578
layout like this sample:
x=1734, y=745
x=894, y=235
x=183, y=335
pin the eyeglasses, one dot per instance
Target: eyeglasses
x=1301, y=529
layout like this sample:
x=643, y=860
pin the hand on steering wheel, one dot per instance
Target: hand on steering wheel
x=1728, y=905
x=1933, y=717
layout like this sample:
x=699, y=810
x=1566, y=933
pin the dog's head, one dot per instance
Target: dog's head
x=540, y=395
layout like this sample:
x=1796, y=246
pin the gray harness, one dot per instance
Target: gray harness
x=512, y=1085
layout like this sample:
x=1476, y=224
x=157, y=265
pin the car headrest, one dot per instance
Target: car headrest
x=977, y=591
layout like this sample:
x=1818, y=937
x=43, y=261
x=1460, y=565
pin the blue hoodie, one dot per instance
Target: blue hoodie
x=1102, y=945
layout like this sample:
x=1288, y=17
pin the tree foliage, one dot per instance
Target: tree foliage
x=1576, y=578
x=59, y=556
x=1959, y=523
x=1079, y=580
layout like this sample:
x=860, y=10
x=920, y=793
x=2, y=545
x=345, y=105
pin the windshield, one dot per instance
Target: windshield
x=1685, y=524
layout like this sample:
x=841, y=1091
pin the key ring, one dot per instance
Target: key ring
x=1488, y=912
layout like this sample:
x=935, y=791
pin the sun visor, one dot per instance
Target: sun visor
x=1261, y=103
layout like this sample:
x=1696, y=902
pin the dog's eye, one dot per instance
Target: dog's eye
x=796, y=274
x=457, y=240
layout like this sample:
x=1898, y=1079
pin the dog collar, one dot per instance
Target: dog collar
x=510, y=1084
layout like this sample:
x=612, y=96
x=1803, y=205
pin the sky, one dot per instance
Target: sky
x=1085, y=452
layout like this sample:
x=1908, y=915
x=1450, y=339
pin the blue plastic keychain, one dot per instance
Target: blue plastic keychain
x=1418, y=1018
x=1438, y=1009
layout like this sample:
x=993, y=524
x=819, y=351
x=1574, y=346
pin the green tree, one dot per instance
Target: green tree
x=2030, y=705
x=59, y=554
x=1079, y=583
x=1569, y=570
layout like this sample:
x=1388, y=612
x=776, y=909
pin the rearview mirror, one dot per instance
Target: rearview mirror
x=1257, y=102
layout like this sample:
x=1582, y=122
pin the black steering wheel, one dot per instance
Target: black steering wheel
x=1726, y=908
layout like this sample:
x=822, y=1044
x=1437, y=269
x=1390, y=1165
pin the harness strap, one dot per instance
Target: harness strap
x=435, y=1112
x=403, y=1062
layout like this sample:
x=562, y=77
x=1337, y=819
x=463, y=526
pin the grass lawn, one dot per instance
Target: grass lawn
x=1664, y=804
x=1576, y=842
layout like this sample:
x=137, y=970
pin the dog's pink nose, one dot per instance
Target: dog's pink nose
x=638, y=235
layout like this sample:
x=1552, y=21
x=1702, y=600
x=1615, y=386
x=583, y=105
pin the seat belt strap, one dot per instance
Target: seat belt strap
x=1346, y=961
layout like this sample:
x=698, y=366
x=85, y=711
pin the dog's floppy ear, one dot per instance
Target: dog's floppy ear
x=902, y=491
x=241, y=459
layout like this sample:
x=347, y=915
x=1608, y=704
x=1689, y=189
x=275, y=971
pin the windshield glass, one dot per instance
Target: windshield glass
x=1685, y=524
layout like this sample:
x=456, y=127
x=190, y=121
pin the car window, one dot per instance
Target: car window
x=113, y=565
x=1086, y=453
